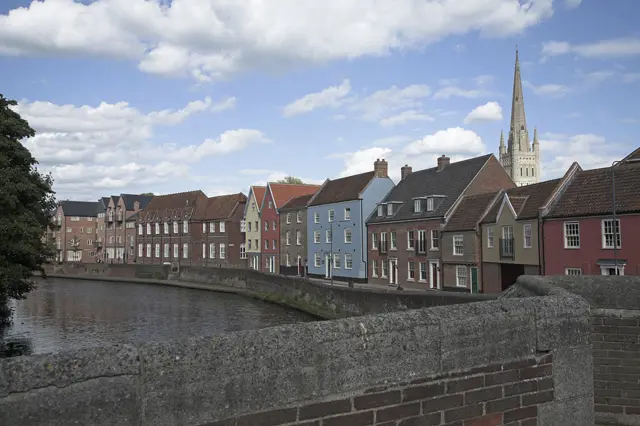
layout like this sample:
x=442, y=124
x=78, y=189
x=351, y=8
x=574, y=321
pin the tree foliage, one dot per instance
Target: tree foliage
x=147, y=193
x=26, y=205
x=291, y=179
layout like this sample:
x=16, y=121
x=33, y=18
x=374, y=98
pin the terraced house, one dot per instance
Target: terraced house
x=252, y=223
x=293, y=236
x=404, y=229
x=219, y=232
x=74, y=231
x=120, y=232
x=336, y=229
x=165, y=229
x=277, y=195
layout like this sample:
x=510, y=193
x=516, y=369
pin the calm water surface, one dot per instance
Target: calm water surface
x=66, y=314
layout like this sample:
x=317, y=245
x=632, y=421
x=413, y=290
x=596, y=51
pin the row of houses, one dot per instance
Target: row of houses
x=461, y=226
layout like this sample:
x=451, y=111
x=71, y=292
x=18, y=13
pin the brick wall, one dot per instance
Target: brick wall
x=497, y=394
x=616, y=363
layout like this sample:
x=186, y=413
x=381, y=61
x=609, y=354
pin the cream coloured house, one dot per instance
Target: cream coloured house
x=252, y=221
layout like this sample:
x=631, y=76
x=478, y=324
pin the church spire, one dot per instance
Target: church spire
x=518, y=138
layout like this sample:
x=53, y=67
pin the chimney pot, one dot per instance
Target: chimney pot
x=405, y=171
x=443, y=162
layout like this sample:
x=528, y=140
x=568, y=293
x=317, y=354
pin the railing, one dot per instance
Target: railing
x=383, y=247
x=420, y=246
x=506, y=248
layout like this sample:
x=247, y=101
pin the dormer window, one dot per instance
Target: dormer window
x=430, y=204
x=389, y=209
x=380, y=210
x=417, y=206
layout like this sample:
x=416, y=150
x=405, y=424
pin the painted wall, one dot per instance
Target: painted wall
x=270, y=232
x=557, y=258
x=293, y=250
x=522, y=255
x=253, y=234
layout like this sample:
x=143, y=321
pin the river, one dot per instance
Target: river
x=63, y=314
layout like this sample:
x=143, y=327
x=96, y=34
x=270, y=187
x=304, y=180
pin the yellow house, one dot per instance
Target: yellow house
x=252, y=221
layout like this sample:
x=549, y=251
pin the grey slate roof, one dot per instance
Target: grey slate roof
x=103, y=202
x=130, y=199
x=450, y=183
x=80, y=208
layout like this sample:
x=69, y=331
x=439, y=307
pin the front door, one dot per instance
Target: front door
x=393, y=271
x=327, y=266
x=299, y=265
x=433, y=275
x=474, y=279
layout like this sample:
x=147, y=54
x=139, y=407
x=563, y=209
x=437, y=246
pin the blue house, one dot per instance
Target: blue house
x=336, y=229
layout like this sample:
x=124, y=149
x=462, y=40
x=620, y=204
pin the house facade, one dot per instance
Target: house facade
x=336, y=227
x=405, y=228
x=276, y=195
x=293, y=236
x=581, y=234
x=120, y=233
x=253, y=223
x=165, y=229
x=218, y=232
x=74, y=231
x=101, y=227
x=511, y=233
x=461, y=252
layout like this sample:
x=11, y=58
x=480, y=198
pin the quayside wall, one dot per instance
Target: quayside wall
x=615, y=333
x=516, y=361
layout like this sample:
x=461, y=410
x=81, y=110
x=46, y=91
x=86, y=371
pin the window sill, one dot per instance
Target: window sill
x=572, y=248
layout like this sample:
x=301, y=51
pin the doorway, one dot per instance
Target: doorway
x=434, y=277
x=474, y=280
x=327, y=266
x=299, y=265
x=393, y=272
x=510, y=273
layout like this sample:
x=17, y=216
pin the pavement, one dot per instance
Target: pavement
x=356, y=285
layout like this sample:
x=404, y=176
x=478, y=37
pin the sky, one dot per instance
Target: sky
x=130, y=96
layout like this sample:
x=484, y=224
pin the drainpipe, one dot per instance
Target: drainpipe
x=363, y=245
x=541, y=243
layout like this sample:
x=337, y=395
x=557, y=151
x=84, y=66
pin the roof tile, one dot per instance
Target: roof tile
x=80, y=208
x=526, y=200
x=172, y=206
x=297, y=202
x=343, y=189
x=283, y=192
x=219, y=207
x=469, y=212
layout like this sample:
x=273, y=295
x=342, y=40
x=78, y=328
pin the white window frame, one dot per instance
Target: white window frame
x=348, y=236
x=490, y=237
x=411, y=240
x=148, y=250
x=212, y=227
x=527, y=238
x=458, y=241
x=266, y=225
x=166, y=250
x=330, y=215
x=243, y=251
x=212, y=250
x=298, y=216
x=434, y=240
x=140, y=250
x=185, y=226
x=393, y=238
x=411, y=271
x=348, y=261
x=266, y=244
x=185, y=250
x=140, y=229
x=374, y=241
x=204, y=227
x=176, y=251
x=316, y=237
x=288, y=218
x=565, y=225
x=336, y=261
x=274, y=244
x=157, y=226
x=390, y=209
x=417, y=206
x=380, y=210
x=298, y=237
x=166, y=228
x=613, y=234
x=430, y=204
x=316, y=217
x=464, y=276
x=222, y=251
x=287, y=258
x=328, y=236
x=573, y=271
x=317, y=261
x=287, y=238
x=347, y=213
x=204, y=250
x=423, y=267
x=156, y=250
x=273, y=225
x=176, y=230
x=384, y=269
x=222, y=225
x=374, y=268
x=148, y=229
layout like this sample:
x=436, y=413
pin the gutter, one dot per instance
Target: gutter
x=363, y=246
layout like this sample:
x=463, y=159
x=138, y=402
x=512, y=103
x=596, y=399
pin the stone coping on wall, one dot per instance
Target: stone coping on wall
x=204, y=379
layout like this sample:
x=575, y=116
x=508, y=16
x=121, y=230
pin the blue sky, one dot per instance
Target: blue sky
x=135, y=96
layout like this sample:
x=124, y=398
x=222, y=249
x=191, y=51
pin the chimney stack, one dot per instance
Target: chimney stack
x=405, y=171
x=380, y=168
x=443, y=162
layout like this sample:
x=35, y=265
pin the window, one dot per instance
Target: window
x=461, y=276
x=458, y=245
x=287, y=259
x=393, y=240
x=423, y=271
x=176, y=251
x=255, y=241
x=249, y=244
x=490, y=237
x=273, y=225
x=608, y=232
x=571, y=235
x=347, y=236
x=389, y=209
x=429, y=204
x=270, y=204
x=175, y=227
x=140, y=250
x=148, y=229
x=256, y=227
x=348, y=261
x=166, y=228
x=68, y=229
x=328, y=236
x=374, y=268
x=411, y=271
x=330, y=215
x=374, y=241
x=243, y=251
x=212, y=227
x=298, y=238
x=157, y=228
x=299, y=217
x=148, y=250
x=527, y=235
x=435, y=239
x=336, y=261
x=243, y=226
x=422, y=241
x=185, y=226
x=316, y=260
x=380, y=210
x=204, y=250
x=288, y=238
x=410, y=241
x=417, y=206
x=316, y=218
x=385, y=269
x=347, y=213
x=266, y=225
x=212, y=250
x=157, y=250
x=573, y=271
x=288, y=217
x=274, y=244
x=266, y=244
x=166, y=250
x=248, y=226
x=223, y=251
x=316, y=237
x=185, y=250
x=77, y=219
x=140, y=229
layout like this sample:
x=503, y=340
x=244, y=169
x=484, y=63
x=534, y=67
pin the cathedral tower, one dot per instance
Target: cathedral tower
x=520, y=158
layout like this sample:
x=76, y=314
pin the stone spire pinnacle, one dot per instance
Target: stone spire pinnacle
x=518, y=138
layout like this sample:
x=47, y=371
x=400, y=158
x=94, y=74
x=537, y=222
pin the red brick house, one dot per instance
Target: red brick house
x=119, y=233
x=165, y=228
x=74, y=231
x=276, y=196
x=219, y=233
x=579, y=230
x=405, y=229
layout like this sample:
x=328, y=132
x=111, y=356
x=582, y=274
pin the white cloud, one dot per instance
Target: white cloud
x=572, y=4
x=90, y=150
x=405, y=117
x=613, y=48
x=331, y=97
x=209, y=40
x=491, y=111
x=455, y=91
x=384, y=102
x=550, y=90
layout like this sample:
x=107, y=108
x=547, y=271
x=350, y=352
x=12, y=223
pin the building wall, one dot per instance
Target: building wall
x=101, y=232
x=469, y=259
x=83, y=229
x=270, y=234
x=293, y=250
x=253, y=232
x=491, y=178
x=172, y=238
x=404, y=255
x=522, y=255
x=119, y=235
x=339, y=247
x=557, y=258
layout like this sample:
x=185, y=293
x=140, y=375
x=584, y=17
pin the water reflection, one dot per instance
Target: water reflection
x=66, y=314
